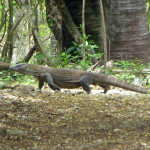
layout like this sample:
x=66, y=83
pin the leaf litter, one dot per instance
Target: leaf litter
x=73, y=120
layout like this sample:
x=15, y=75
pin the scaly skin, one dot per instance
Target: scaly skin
x=63, y=78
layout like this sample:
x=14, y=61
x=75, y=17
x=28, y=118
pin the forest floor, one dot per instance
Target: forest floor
x=70, y=120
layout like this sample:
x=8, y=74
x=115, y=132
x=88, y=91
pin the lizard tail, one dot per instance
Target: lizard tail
x=113, y=81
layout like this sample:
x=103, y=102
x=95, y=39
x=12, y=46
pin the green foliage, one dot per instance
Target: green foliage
x=26, y=80
x=50, y=23
x=5, y=76
x=44, y=30
x=75, y=50
x=134, y=65
x=4, y=59
x=8, y=77
x=38, y=58
x=130, y=70
x=84, y=64
x=15, y=4
x=64, y=59
x=89, y=44
x=73, y=55
x=23, y=33
x=0, y=11
x=61, y=61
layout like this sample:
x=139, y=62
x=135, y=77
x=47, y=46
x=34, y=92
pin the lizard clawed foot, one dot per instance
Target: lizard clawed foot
x=55, y=88
x=88, y=92
x=56, y=91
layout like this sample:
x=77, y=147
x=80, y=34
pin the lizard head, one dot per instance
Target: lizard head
x=22, y=68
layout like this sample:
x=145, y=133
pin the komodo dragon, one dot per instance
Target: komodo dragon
x=63, y=78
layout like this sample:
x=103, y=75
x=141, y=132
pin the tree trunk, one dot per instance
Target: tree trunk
x=103, y=32
x=83, y=28
x=69, y=23
x=127, y=28
x=8, y=46
x=126, y=25
x=10, y=53
x=30, y=54
x=54, y=20
x=3, y=15
x=68, y=26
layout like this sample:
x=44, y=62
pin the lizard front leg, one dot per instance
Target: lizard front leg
x=41, y=84
x=49, y=80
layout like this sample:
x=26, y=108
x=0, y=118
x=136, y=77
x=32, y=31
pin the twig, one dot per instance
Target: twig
x=94, y=66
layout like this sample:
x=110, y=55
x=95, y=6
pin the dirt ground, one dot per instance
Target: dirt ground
x=46, y=120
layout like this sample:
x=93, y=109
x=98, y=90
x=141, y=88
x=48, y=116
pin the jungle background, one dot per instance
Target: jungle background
x=108, y=36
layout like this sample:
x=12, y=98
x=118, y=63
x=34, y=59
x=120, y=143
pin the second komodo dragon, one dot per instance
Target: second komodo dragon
x=63, y=78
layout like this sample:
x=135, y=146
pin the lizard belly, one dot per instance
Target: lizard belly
x=67, y=84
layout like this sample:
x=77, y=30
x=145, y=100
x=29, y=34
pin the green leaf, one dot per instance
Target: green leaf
x=70, y=50
x=63, y=54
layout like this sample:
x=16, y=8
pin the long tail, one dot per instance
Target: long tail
x=111, y=80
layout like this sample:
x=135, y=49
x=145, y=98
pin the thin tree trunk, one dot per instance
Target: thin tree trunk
x=3, y=17
x=8, y=46
x=103, y=32
x=30, y=54
x=83, y=28
x=10, y=53
x=4, y=21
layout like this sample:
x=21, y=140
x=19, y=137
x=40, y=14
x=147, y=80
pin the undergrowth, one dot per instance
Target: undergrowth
x=131, y=71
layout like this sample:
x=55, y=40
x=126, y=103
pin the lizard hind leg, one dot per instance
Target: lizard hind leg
x=84, y=81
x=106, y=88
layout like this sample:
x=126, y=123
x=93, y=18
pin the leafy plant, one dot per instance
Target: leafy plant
x=5, y=76
x=84, y=64
x=64, y=59
x=130, y=70
x=74, y=53
x=8, y=77
x=39, y=58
